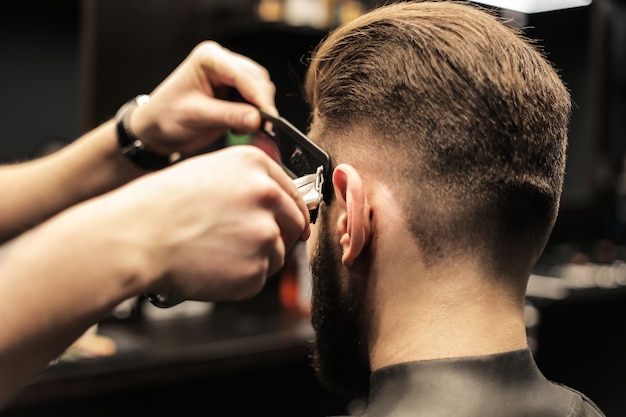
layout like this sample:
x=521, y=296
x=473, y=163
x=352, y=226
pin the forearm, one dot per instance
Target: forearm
x=38, y=189
x=56, y=281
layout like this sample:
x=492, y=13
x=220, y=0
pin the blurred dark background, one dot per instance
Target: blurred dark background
x=67, y=66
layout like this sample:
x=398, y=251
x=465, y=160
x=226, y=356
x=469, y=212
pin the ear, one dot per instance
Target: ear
x=353, y=222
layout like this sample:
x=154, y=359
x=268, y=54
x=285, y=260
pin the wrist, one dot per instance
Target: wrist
x=132, y=147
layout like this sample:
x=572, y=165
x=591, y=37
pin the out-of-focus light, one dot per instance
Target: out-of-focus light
x=534, y=6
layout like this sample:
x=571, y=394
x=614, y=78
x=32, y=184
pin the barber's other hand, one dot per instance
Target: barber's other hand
x=213, y=227
x=189, y=110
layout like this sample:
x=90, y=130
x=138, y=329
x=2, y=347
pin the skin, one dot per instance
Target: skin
x=88, y=230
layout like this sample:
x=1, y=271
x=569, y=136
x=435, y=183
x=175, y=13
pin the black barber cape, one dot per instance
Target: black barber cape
x=502, y=385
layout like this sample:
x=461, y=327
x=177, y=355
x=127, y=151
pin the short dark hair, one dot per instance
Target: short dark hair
x=464, y=116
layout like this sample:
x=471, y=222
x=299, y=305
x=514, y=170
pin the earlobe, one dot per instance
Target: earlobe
x=353, y=224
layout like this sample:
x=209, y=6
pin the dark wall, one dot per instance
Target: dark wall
x=39, y=76
x=131, y=46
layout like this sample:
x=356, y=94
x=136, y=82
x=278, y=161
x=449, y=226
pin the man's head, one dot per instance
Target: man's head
x=465, y=124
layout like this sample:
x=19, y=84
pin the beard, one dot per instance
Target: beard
x=340, y=356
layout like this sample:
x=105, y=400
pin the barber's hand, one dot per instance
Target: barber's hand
x=188, y=110
x=215, y=226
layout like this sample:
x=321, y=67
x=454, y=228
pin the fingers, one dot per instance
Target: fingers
x=239, y=117
x=289, y=221
x=276, y=257
x=226, y=68
x=285, y=212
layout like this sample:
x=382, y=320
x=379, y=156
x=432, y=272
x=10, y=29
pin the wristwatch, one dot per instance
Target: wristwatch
x=132, y=147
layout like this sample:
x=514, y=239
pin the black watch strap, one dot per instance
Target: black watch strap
x=132, y=147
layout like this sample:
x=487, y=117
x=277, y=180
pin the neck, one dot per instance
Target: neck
x=457, y=309
x=445, y=317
